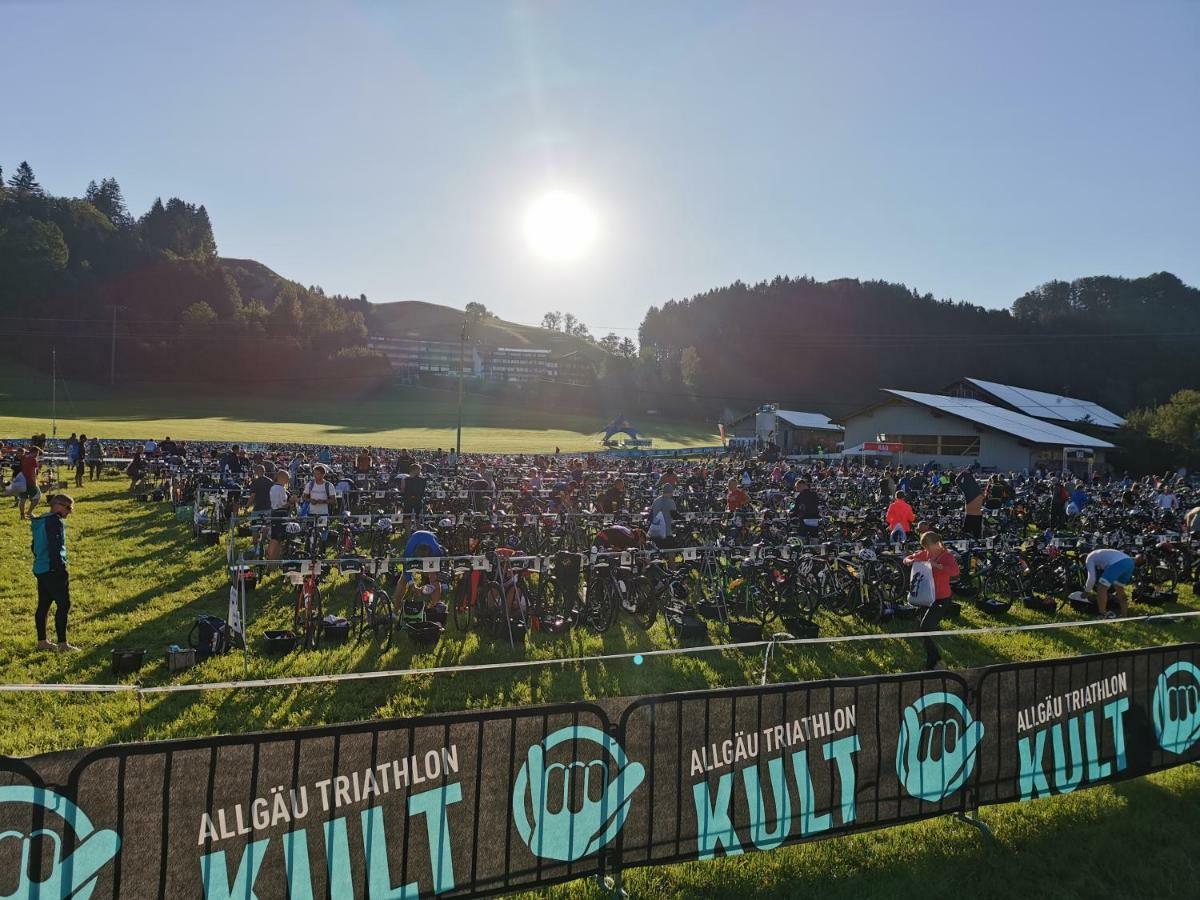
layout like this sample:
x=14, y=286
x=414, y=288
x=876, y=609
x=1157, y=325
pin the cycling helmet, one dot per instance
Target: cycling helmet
x=292, y=528
x=446, y=523
x=384, y=524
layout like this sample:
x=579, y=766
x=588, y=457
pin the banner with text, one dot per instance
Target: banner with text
x=470, y=804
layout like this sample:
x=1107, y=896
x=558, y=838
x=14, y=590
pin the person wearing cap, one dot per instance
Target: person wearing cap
x=49, y=547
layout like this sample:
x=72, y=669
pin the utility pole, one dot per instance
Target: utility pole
x=462, y=361
x=112, y=353
x=53, y=392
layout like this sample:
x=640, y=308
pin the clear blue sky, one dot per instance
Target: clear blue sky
x=969, y=150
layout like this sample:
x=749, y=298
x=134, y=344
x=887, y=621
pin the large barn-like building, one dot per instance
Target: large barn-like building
x=1038, y=404
x=957, y=431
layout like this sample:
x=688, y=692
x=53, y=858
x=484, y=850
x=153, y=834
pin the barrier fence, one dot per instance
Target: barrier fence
x=477, y=803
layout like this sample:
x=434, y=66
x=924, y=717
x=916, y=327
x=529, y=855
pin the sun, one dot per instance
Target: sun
x=560, y=226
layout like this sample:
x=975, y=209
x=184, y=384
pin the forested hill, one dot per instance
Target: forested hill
x=75, y=269
x=831, y=345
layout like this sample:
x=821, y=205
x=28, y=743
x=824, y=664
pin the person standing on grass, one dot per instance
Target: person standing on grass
x=50, y=569
x=280, y=506
x=900, y=518
x=972, y=495
x=95, y=458
x=80, y=449
x=31, y=464
x=945, y=567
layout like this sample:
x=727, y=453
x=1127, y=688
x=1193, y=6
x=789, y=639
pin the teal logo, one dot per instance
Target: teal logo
x=1177, y=708
x=935, y=756
x=570, y=821
x=74, y=876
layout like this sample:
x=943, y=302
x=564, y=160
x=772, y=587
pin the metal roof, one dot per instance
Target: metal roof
x=1000, y=419
x=1042, y=405
x=815, y=421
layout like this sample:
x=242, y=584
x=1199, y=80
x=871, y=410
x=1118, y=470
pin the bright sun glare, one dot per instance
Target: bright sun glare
x=560, y=226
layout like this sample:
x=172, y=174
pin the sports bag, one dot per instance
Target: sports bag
x=921, y=591
x=209, y=636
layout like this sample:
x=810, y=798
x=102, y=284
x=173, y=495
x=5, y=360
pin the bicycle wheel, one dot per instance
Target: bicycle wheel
x=381, y=615
x=839, y=591
x=642, y=600
x=359, y=600
x=492, y=608
x=600, y=604
x=465, y=596
x=300, y=614
x=315, y=625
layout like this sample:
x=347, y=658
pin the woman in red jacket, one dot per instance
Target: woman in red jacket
x=899, y=518
x=945, y=567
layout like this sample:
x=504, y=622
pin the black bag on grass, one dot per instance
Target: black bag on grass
x=1047, y=605
x=209, y=636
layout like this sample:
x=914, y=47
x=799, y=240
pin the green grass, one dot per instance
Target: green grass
x=138, y=581
x=396, y=417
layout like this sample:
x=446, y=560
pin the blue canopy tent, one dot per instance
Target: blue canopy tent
x=619, y=425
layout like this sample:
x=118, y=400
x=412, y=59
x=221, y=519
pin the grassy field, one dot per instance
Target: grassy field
x=139, y=581
x=396, y=417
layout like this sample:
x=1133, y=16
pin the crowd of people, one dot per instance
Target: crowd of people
x=645, y=496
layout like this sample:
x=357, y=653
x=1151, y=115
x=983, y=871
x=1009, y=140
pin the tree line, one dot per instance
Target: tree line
x=75, y=269
x=830, y=346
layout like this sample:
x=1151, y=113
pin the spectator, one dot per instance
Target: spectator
x=150, y=448
x=80, y=450
x=31, y=464
x=50, y=570
x=95, y=458
x=945, y=567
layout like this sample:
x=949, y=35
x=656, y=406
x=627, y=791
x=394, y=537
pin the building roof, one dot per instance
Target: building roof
x=1042, y=405
x=998, y=418
x=813, y=421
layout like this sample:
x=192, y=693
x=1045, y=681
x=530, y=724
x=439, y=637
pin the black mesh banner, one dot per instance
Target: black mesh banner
x=470, y=804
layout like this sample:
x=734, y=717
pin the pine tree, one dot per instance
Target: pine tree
x=107, y=198
x=204, y=244
x=23, y=183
